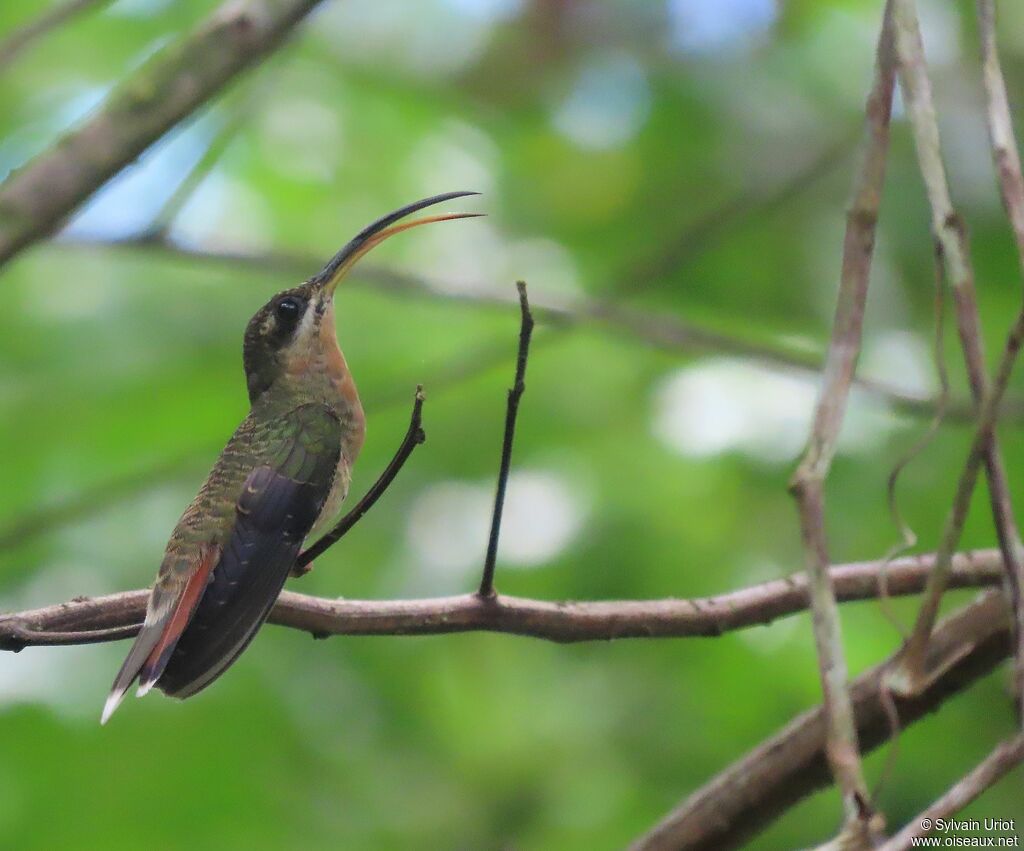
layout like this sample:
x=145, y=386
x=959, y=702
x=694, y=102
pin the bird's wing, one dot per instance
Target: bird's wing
x=226, y=599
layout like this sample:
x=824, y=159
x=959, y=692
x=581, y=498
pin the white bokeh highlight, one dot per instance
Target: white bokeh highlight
x=900, y=359
x=225, y=211
x=303, y=138
x=428, y=38
x=712, y=26
x=457, y=154
x=449, y=522
x=728, y=405
x=607, y=105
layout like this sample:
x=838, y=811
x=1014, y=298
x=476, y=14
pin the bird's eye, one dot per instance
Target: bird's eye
x=289, y=309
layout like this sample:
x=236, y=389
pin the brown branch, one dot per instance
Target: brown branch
x=1004, y=758
x=170, y=86
x=88, y=620
x=1011, y=186
x=807, y=486
x=1000, y=125
x=664, y=332
x=57, y=15
x=751, y=793
x=486, y=588
x=951, y=240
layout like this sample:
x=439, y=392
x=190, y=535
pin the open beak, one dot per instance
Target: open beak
x=372, y=235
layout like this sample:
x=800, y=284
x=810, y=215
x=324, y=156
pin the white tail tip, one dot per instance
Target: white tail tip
x=112, y=703
x=144, y=688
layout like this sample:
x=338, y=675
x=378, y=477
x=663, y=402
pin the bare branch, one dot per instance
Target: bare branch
x=1004, y=758
x=665, y=332
x=170, y=86
x=514, y=395
x=87, y=620
x=49, y=20
x=1011, y=186
x=951, y=240
x=758, y=788
x=808, y=482
x=1000, y=125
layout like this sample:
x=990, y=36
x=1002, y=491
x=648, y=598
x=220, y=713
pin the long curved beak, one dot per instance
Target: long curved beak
x=374, y=234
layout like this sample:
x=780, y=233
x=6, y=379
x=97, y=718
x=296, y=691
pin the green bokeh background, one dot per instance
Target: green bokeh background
x=688, y=159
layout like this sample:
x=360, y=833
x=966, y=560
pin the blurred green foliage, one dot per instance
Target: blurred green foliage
x=661, y=154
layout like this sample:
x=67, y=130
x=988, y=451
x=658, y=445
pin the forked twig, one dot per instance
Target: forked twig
x=486, y=588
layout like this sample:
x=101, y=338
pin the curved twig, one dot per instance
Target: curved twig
x=414, y=436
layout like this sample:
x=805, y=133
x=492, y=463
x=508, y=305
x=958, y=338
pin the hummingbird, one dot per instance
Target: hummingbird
x=281, y=478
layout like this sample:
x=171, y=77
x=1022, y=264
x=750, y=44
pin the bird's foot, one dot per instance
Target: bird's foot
x=301, y=570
